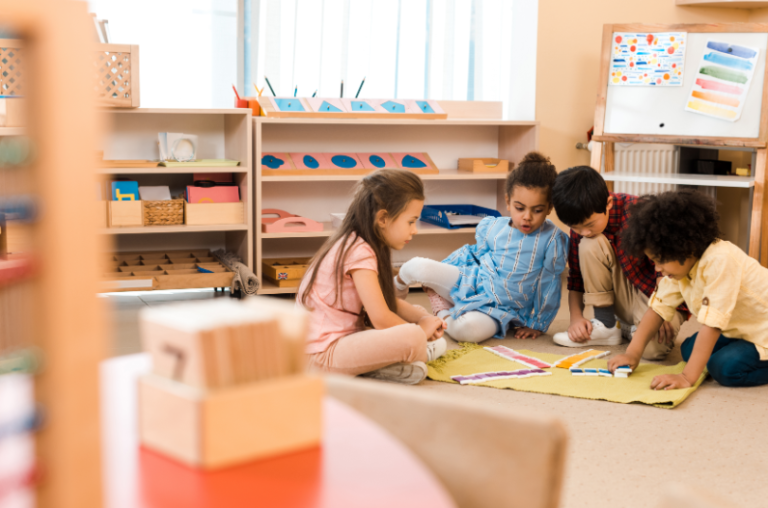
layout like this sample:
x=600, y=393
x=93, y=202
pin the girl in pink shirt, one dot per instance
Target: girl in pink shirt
x=349, y=285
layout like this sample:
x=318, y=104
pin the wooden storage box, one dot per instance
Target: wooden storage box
x=285, y=273
x=218, y=428
x=125, y=214
x=484, y=165
x=199, y=214
x=163, y=213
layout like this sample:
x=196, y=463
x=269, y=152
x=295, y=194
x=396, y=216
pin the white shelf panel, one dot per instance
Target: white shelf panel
x=423, y=227
x=173, y=229
x=162, y=170
x=445, y=174
x=744, y=182
x=392, y=121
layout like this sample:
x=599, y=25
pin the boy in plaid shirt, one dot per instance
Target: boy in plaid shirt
x=600, y=272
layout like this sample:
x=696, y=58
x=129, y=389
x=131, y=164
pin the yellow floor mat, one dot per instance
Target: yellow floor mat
x=472, y=359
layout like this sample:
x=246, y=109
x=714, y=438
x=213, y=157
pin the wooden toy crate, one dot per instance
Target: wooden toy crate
x=208, y=214
x=146, y=271
x=115, y=78
x=285, y=273
x=163, y=213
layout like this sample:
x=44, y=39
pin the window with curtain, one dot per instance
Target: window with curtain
x=187, y=48
x=438, y=49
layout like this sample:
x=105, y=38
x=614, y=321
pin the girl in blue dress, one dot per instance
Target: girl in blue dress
x=510, y=278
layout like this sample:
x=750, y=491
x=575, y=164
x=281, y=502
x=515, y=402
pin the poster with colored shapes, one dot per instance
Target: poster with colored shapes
x=650, y=59
x=310, y=161
x=413, y=160
x=722, y=80
x=276, y=161
x=320, y=105
x=374, y=161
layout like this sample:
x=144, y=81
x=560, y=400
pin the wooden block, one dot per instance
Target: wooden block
x=125, y=214
x=276, y=161
x=484, y=165
x=220, y=428
x=284, y=269
x=418, y=162
x=213, y=213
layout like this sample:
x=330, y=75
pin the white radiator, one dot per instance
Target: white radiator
x=645, y=159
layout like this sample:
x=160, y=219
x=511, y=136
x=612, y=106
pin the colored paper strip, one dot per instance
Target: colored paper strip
x=709, y=109
x=716, y=98
x=729, y=61
x=724, y=74
x=707, y=84
x=732, y=49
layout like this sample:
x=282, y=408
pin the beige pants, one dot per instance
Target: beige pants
x=605, y=284
x=369, y=350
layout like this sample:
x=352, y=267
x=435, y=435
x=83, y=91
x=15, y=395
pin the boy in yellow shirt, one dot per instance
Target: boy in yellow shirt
x=723, y=287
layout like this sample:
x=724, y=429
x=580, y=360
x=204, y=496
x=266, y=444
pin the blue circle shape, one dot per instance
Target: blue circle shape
x=311, y=162
x=344, y=161
x=272, y=162
x=409, y=161
x=377, y=161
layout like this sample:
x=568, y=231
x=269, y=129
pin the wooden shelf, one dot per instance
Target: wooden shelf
x=173, y=229
x=180, y=111
x=162, y=170
x=744, y=182
x=445, y=174
x=268, y=288
x=394, y=121
x=423, y=227
x=735, y=4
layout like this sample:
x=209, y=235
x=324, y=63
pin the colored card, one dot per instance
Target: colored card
x=376, y=161
x=310, y=161
x=225, y=194
x=722, y=80
x=424, y=106
x=125, y=191
x=647, y=59
x=343, y=161
x=413, y=160
x=273, y=160
x=288, y=104
x=320, y=105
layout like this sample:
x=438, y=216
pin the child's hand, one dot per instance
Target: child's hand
x=667, y=334
x=580, y=330
x=670, y=382
x=433, y=327
x=625, y=359
x=526, y=333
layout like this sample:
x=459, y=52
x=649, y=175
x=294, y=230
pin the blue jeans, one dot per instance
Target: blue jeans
x=734, y=362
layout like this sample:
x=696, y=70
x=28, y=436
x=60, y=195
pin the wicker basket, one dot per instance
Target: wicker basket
x=163, y=213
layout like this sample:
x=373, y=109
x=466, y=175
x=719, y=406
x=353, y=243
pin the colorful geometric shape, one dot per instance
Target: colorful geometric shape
x=393, y=107
x=374, y=161
x=325, y=106
x=409, y=161
x=272, y=161
x=310, y=161
x=286, y=105
x=424, y=107
x=344, y=161
x=361, y=106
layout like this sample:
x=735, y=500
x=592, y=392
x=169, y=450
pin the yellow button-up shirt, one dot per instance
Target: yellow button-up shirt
x=725, y=289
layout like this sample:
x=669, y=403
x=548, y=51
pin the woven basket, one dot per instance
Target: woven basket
x=163, y=213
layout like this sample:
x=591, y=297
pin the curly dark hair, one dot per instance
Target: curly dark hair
x=672, y=226
x=578, y=193
x=535, y=171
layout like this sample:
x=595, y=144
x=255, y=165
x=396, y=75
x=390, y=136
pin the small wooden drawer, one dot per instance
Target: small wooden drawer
x=484, y=165
x=285, y=273
x=125, y=214
x=199, y=214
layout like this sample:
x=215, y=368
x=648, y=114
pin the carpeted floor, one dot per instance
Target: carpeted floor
x=620, y=455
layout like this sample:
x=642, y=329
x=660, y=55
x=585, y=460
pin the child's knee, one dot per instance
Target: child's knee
x=465, y=331
x=725, y=372
x=410, y=270
x=655, y=351
x=414, y=342
x=686, y=348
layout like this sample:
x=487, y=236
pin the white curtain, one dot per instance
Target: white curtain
x=481, y=50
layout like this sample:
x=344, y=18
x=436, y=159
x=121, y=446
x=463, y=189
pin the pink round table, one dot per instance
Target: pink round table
x=358, y=465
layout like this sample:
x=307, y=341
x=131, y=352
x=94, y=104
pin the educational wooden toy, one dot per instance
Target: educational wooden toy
x=198, y=214
x=343, y=163
x=577, y=372
x=217, y=194
x=125, y=214
x=577, y=359
x=227, y=384
x=285, y=272
x=320, y=107
x=310, y=161
x=287, y=222
x=274, y=161
x=125, y=191
x=484, y=165
x=374, y=161
x=622, y=372
x=484, y=377
x=424, y=107
x=414, y=161
x=511, y=354
x=146, y=271
x=289, y=105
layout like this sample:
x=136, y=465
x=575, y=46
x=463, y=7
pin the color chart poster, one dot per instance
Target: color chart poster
x=722, y=81
x=647, y=59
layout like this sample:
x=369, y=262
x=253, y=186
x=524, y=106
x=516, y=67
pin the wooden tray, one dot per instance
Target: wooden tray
x=285, y=273
x=126, y=163
x=484, y=165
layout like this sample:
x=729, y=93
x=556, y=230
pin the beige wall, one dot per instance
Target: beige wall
x=568, y=67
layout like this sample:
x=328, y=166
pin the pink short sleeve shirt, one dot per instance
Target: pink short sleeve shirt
x=334, y=318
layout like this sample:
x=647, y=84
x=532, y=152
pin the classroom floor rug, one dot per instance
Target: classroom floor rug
x=472, y=359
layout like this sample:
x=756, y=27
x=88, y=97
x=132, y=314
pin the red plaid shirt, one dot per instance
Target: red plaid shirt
x=639, y=271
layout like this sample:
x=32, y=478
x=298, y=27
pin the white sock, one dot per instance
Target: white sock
x=398, y=285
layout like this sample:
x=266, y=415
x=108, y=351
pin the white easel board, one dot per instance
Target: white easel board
x=647, y=110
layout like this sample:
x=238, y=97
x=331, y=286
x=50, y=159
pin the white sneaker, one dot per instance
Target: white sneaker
x=627, y=330
x=601, y=336
x=405, y=373
x=436, y=349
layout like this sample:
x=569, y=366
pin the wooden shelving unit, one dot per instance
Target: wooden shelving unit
x=729, y=4
x=222, y=134
x=316, y=197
